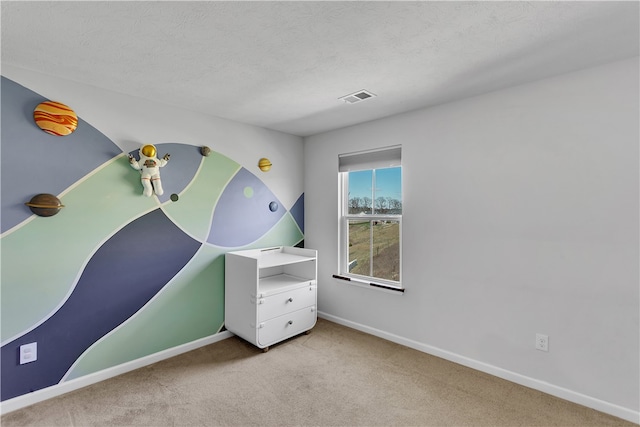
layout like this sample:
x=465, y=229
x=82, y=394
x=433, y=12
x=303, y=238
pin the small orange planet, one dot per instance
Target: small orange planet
x=55, y=118
x=264, y=164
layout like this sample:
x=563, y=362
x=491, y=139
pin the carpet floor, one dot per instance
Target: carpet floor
x=335, y=376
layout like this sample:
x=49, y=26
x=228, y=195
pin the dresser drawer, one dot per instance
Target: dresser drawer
x=285, y=302
x=286, y=326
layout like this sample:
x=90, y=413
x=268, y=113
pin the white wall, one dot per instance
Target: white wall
x=520, y=216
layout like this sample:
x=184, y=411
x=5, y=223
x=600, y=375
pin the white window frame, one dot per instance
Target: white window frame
x=368, y=160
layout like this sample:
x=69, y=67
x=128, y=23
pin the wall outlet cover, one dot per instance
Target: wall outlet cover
x=28, y=353
x=542, y=342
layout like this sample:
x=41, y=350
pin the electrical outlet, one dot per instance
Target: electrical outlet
x=542, y=342
x=28, y=353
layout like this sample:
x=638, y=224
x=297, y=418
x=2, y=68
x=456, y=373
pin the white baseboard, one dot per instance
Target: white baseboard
x=572, y=396
x=563, y=393
x=75, y=384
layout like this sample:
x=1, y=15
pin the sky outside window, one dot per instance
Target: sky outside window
x=388, y=183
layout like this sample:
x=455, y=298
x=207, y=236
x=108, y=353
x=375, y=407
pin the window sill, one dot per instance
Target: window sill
x=369, y=285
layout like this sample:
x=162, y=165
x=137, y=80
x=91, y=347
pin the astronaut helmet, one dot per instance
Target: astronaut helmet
x=148, y=150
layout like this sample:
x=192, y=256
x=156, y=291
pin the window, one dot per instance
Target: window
x=371, y=217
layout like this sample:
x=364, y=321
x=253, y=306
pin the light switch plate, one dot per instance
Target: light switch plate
x=28, y=353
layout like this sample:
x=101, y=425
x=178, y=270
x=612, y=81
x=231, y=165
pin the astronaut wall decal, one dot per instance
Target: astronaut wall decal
x=149, y=166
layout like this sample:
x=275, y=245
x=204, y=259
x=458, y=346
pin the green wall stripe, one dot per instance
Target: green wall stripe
x=193, y=212
x=190, y=307
x=42, y=259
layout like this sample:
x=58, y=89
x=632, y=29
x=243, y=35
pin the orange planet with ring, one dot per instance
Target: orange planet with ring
x=55, y=118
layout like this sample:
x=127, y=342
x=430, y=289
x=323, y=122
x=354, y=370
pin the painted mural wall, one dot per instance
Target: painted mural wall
x=116, y=276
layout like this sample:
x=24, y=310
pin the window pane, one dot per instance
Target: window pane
x=359, y=247
x=386, y=250
x=360, y=191
x=373, y=203
x=388, y=191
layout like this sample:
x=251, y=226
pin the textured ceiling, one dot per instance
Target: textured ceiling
x=283, y=65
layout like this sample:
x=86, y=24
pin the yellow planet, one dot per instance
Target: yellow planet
x=264, y=164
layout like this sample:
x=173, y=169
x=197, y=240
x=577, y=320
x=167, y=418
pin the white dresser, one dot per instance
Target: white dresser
x=270, y=294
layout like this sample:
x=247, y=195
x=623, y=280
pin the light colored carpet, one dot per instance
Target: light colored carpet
x=334, y=376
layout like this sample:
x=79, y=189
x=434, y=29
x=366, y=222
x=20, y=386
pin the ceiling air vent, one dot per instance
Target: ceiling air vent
x=357, y=97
